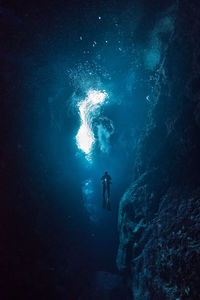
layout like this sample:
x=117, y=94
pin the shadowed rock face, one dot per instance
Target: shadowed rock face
x=159, y=214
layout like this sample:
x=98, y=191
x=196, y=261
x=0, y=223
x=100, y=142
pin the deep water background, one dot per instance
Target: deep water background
x=49, y=246
x=51, y=53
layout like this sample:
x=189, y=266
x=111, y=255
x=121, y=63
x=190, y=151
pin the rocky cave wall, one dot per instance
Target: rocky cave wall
x=159, y=214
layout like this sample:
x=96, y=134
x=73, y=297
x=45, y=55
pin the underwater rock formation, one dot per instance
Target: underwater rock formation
x=159, y=214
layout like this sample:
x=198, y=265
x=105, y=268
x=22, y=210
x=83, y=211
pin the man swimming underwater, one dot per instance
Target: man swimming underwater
x=106, y=181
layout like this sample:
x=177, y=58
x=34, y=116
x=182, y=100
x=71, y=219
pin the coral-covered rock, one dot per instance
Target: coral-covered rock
x=159, y=215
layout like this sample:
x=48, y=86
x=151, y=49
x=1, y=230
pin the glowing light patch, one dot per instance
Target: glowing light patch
x=88, y=109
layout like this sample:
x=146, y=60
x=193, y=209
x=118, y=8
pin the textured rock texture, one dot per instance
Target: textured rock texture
x=159, y=214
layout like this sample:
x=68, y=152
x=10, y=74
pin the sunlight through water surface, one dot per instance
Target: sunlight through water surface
x=88, y=109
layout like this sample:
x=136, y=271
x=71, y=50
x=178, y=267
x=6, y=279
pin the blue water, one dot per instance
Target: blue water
x=53, y=53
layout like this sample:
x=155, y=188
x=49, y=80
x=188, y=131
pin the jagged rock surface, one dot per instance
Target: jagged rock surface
x=159, y=215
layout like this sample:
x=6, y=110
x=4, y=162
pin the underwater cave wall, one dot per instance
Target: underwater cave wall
x=159, y=214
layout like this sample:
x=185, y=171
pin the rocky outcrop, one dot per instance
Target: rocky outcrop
x=159, y=214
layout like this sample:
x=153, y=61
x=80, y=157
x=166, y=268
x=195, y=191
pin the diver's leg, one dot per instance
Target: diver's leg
x=108, y=197
x=104, y=196
x=108, y=190
x=104, y=202
x=108, y=204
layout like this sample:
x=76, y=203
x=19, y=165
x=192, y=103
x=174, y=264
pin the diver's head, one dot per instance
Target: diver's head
x=106, y=173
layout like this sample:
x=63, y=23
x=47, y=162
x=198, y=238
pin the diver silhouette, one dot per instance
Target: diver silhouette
x=106, y=181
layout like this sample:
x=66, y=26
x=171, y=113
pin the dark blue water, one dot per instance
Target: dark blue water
x=52, y=54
